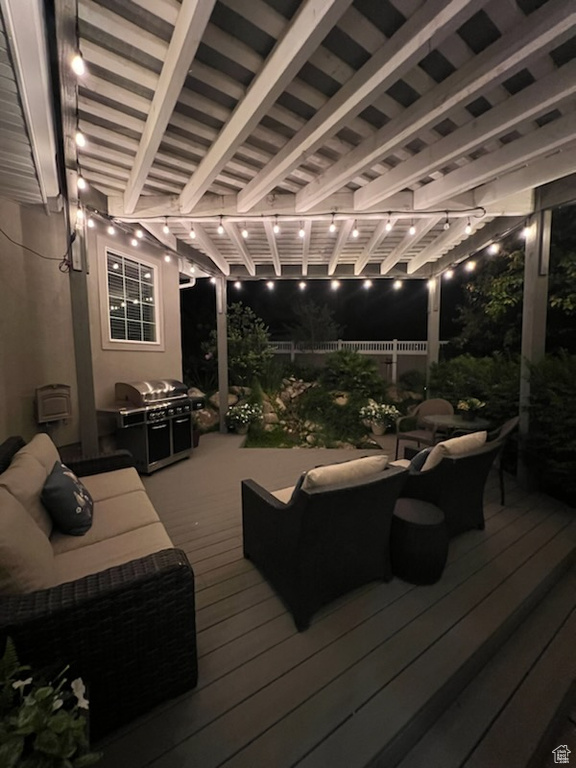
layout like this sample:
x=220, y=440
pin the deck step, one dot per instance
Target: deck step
x=501, y=700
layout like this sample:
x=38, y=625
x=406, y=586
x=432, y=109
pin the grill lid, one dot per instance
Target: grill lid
x=142, y=393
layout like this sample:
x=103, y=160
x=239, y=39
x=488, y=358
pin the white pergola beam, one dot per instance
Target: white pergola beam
x=310, y=25
x=238, y=242
x=342, y=237
x=526, y=179
x=273, y=245
x=426, y=28
x=447, y=239
x=188, y=30
x=25, y=30
x=536, y=99
x=377, y=236
x=206, y=243
x=155, y=229
x=548, y=24
x=408, y=241
x=544, y=141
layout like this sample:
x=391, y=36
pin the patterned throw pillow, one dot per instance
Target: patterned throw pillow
x=68, y=502
x=419, y=460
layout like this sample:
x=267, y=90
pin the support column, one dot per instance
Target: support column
x=222, y=345
x=535, y=305
x=433, y=326
x=395, y=361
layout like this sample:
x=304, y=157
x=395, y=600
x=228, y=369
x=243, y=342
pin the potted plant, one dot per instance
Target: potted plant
x=380, y=416
x=469, y=407
x=43, y=721
x=239, y=417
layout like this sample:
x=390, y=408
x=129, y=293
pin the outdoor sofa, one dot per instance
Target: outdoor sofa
x=116, y=604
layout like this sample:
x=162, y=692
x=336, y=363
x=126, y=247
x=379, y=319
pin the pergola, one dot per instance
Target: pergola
x=301, y=139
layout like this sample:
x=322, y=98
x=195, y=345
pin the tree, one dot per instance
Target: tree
x=248, y=345
x=315, y=322
x=491, y=314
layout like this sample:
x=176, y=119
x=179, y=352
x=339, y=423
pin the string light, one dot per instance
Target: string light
x=276, y=227
x=139, y=234
x=80, y=139
x=397, y=284
x=301, y=232
x=335, y=284
x=494, y=248
x=91, y=224
x=244, y=233
x=79, y=214
x=525, y=232
x=237, y=285
x=81, y=182
x=367, y=284
x=355, y=232
x=468, y=228
x=77, y=64
x=470, y=266
x=192, y=268
x=447, y=222
x=302, y=285
x=111, y=230
x=220, y=227
x=134, y=242
x=412, y=230
x=332, y=227
x=449, y=274
x=192, y=234
x=167, y=258
x=270, y=285
x=166, y=228
x=388, y=225
x=213, y=280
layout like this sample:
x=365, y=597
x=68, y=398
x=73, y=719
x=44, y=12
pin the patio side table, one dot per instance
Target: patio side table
x=418, y=541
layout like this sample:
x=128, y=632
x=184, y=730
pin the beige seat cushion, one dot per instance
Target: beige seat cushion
x=26, y=475
x=120, y=549
x=404, y=463
x=346, y=472
x=457, y=446
x=284, y=494
x=111, y=517
x=109, y=484
x=26, y=557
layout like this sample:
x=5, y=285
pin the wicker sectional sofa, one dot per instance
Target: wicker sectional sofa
x=116, y=604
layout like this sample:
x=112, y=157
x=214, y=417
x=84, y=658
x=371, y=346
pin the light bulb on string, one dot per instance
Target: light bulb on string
x=302, y=285
x=468, y=228
x=77, y=64
x=367, y=284
x=192, y=234
x=335, y=284
x=220, y=227
x=470, y=266
x=397, y=284
x=244, y=232
x=91, y=223
x=276, y=227
x=301, y=232
x=270, y=285
x=447, y=222
x=412, y=230
x=449, y=274
x=80, y=139
x=237, y=285
x=388, y=225
x=139, y=234
x=167, y=258
x=332, y=227
x=81, y=183
x=111, y=230
x=355, y=232
x=166, y=228
x=494, y=249
x=134, y=242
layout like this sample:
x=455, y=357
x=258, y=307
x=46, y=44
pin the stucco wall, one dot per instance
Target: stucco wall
x=126, y=362
x=36, y=346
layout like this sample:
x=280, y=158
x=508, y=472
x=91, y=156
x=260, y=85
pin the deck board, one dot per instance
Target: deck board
x=260, y=681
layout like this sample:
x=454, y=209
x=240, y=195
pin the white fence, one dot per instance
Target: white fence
x=392, y=349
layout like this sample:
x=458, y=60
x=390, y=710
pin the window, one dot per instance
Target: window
x=132, y=300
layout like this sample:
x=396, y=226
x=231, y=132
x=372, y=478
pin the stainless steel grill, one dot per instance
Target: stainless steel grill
x=154, y=421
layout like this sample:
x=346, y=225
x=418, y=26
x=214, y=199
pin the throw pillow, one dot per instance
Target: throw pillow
x=456, y=446
x=420, y=459
x=67, y=500
x=346, y=472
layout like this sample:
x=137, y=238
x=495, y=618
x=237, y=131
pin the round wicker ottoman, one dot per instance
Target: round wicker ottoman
x=418, y=541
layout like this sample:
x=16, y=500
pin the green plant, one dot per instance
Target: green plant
x=412, y=381
x=350, y=371
x=244, y=413
x=42, y=723
x=379, y=413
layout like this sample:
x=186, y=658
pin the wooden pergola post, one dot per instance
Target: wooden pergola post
x=535, y=304
x=433, y=325
x=222, y=346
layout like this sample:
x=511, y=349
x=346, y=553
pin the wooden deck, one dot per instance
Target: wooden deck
x=390, y=674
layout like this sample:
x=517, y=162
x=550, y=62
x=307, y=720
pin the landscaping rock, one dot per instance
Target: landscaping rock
x=195, y=392
x=279, y=403
x=241, y=391
x=270, y=418
x=269, y=427
x=206, y=418
x=215, y=400
x=341, y=400
x=310, y=439
x=267, y=407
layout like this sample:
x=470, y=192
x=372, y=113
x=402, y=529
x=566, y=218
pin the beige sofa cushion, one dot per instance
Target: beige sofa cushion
x=346, y=472
x=284, y=494
x=143, y=541
x=107, y=485
x=26, y=557
x=111, y=517
x=457, y=446
x=26, y=475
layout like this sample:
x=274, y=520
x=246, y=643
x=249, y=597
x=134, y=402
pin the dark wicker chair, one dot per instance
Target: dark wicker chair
x=128, y=631
x=423, y=434
x=324, y=542
x=503, y=435
x=456, y=486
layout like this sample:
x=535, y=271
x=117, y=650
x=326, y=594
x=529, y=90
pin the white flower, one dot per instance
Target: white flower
x=17, y=684
x=79, y=689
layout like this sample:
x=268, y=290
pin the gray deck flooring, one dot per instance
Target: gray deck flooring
x=369, y=675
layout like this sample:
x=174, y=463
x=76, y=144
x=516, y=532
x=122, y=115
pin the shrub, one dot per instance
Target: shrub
x=412, y=381
x=352, y=372
x=338, y=422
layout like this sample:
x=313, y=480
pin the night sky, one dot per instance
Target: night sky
x=378, y=313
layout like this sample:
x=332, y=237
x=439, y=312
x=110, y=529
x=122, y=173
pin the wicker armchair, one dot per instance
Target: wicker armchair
x=456, y=486
x=324, y=542
x=424, y=434
x=128, y=631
